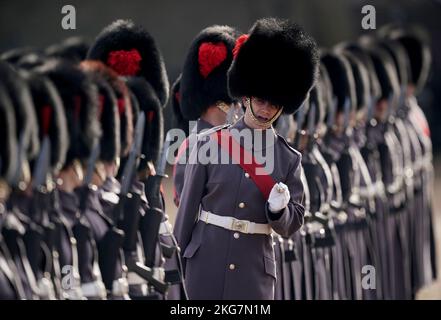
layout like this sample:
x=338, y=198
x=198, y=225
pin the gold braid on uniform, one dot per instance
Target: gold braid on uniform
x=262, y=125
x=223, y=106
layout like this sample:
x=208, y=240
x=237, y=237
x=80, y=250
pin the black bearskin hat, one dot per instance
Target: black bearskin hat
x=154, y=128
x=108, y=114
x=80, y=99
x=342, y=79
x=51, y=117
x=385, y=71
x=73, y=49
x=362, y=54
x=417, y=47
x=20, y=95
x=278, y=61
x=132, y=52
x=8, y=139
x=361, y=80
x=204, y=76
x=180, y=121
x=122, y=93
x=13, y=56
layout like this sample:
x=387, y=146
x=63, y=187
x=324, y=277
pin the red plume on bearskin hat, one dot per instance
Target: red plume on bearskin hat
x=132, y=52
x=204, y=75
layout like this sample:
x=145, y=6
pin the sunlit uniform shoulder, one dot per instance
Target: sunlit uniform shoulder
x=287, y=146
x=205, y=135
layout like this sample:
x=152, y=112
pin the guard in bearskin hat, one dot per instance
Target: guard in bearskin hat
x=36, y=203
x=11, y=286
x=133, y=54
x=203, y=90
x=73, y=49
x=81, y=105
x=417, y=50
x=16, y=223
x=228, y=252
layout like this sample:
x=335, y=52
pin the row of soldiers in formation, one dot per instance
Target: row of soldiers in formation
x=82, y=210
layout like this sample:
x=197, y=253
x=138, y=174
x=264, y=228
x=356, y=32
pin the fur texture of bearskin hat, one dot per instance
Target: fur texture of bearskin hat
x=26, y=120
x=51, y=117
x=108, y=115
x=361, y=53
x=317, y=97
x=417, y=47
x=122, y=93
x=14, y=55
x=8, y=139
x=154, y=129
x=132, y=52
x=326, y=85
x=385, y=71
x=135, y=107
x=399, y=57
x=135, y=113
x=278, y=61
x=204, y=75
x=31, y=61
x=342, y=79
x=361, y=79
x=73, y=49
x=180, y=121
x=80, y=99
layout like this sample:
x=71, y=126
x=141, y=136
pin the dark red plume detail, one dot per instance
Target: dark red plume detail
x=125, y=63
x=46, y=113
x=150, y=116
x=178, y=96
x=210, y=56
x=121, y=106
x=239, y=43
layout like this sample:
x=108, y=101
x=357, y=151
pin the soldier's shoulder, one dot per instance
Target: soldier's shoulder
x=205, y=135
x=288, y=147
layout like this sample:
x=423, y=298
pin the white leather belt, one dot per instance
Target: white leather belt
x=233, y=224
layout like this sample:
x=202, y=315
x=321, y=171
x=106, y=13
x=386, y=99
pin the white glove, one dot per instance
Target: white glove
x=279, y=197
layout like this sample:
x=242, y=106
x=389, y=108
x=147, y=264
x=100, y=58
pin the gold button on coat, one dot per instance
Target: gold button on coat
x=232, y=267
x=241, y=205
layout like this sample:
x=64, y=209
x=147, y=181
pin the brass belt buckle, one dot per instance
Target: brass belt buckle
x=238, y=225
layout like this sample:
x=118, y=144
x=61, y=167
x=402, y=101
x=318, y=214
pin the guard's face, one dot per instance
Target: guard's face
x=381, y=110
x=263, y=109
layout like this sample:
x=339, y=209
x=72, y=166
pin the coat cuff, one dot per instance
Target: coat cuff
x=271, y=216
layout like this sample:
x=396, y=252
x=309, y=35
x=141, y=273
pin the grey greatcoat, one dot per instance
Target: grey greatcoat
x=224, y=264
x=179, y=168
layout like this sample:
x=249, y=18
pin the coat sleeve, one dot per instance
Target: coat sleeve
x=290, y=219
x=194, y=185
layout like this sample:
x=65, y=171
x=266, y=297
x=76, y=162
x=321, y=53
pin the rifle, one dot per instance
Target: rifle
x=127, y=212
x=82, y=230
x=155, y=216
x=39, y=237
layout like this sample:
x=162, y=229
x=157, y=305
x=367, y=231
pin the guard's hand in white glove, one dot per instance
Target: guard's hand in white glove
x=279, y=197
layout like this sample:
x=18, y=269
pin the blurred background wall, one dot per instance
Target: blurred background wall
x=174, y=23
